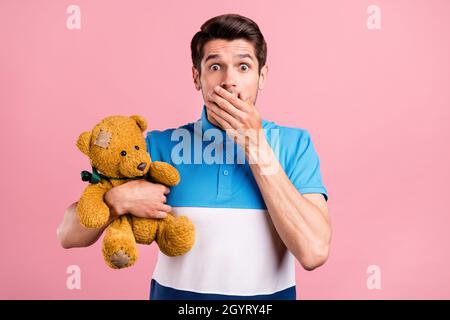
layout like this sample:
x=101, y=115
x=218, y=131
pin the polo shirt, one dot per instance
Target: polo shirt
x=237, y=252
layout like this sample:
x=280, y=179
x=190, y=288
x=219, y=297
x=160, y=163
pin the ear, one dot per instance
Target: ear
x=196, y=78
x=84, y=142
x=140, y=121
x=263, y=76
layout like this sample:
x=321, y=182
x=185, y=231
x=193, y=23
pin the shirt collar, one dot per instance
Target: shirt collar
x=205, y=122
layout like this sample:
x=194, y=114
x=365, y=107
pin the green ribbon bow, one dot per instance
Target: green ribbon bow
x=96, y=176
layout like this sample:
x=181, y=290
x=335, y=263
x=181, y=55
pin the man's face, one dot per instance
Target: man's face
x=233, y=66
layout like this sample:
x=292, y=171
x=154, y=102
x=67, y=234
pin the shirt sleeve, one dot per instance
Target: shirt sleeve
x=305, y=172
x=152, y=147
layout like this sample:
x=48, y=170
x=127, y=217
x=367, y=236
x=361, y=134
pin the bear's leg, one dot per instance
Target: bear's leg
x=175, y=236
x=91, y=209
x=144, y=229
x=119, y=244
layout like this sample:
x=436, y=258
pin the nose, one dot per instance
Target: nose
x=231, y=89
x=142, y=166
x=229, y=83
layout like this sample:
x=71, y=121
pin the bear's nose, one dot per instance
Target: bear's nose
x=142, y=166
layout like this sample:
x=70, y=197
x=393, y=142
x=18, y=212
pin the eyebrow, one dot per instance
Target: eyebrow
x=245, y=55
x=216, y=56
x=211, y=57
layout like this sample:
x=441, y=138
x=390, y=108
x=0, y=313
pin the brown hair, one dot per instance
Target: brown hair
x=228, y=27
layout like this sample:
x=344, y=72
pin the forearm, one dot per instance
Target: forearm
x=72, y=234
x=140, y=198
x=300, y=224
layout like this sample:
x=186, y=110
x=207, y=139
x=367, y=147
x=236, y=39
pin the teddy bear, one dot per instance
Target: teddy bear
x=117, y=152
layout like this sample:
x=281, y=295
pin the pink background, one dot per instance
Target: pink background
x=375, y=101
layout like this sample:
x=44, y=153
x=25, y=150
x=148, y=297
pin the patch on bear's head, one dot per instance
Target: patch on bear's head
x=103, y=139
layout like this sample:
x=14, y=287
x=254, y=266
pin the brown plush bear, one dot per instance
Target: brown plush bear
x=117, y=152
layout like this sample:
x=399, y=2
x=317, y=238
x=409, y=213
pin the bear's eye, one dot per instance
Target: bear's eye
x=123, y=153
x=136, y=147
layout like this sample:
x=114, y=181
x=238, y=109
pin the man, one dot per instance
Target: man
x=253, y=217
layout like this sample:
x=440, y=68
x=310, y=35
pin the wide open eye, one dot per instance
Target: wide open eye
x=244, y=67
x=123, y=153
x=214, y=67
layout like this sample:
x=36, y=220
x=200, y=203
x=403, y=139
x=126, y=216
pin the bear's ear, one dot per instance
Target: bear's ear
x=140, y=122
x=84, y=141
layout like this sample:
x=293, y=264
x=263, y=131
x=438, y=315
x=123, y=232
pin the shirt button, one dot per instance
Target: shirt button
x=225, y=172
